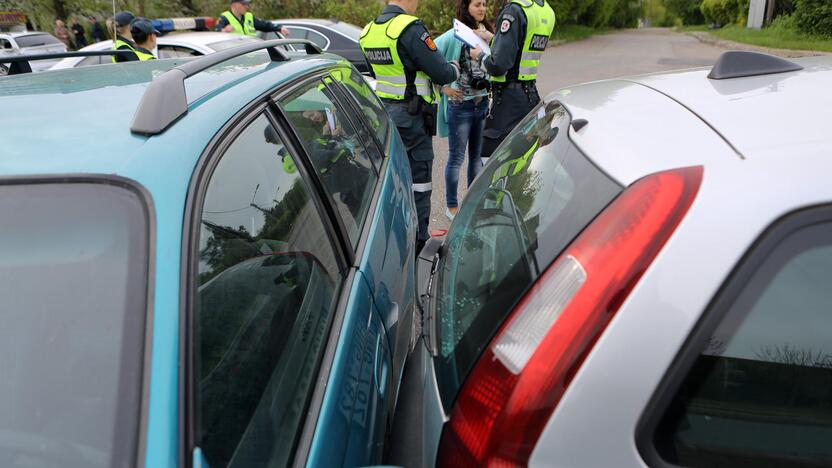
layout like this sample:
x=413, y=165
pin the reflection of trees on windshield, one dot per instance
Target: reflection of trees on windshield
x=229, y=246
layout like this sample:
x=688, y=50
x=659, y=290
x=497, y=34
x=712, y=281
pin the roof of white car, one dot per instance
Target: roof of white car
x=641, y=125
x=202, y=38
x=20, y=34
x=776, y=115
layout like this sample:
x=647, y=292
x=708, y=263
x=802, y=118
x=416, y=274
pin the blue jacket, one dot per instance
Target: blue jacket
x=450, y=47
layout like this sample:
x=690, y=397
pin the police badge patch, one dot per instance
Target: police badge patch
x=505, y=26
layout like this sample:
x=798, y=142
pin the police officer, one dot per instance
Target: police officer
x=145, y=36
x=406, y=65
x=240, y=20
x=523, y=31
x=124, y=40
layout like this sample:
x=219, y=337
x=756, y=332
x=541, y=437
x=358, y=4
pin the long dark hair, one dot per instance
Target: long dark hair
x=468, y=20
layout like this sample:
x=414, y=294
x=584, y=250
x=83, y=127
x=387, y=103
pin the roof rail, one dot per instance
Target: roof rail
x=740, y=63
x=164, y=101
x=20, y=63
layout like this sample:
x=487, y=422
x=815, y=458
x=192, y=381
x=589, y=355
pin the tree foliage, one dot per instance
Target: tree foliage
x=686, y=10
x=814, y=17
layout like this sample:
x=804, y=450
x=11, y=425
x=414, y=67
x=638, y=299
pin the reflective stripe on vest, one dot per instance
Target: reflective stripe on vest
x=246, y=28
x=379, y=42
x=118, y=44
x=540, y=22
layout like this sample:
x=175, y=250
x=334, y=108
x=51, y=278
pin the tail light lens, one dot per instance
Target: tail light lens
x=516, y=384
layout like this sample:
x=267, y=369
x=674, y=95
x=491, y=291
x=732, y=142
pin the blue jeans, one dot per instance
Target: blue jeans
x=466, y=121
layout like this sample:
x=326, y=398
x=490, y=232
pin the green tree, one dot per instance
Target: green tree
x=686, y=10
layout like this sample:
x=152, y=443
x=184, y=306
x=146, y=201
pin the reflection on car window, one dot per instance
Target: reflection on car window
x=760, y=393
x=369, y=104
x=268, y=282
x=520, y=213
x=340, y=158
x=73, y=297
x=169, y=51
x=95, y=60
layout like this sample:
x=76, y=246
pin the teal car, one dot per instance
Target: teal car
x=203, y=262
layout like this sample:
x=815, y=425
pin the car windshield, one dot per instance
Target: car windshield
x=73, y=300
x=524, y=208
x=350, y=30
x=229, y=43
x=35, y=40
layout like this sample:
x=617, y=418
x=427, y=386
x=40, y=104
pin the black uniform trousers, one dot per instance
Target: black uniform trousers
x=511, y=102
x=419, y=145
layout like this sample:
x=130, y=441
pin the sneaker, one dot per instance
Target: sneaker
x=448, y=214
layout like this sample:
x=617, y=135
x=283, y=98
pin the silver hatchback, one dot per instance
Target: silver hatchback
x=641, y=275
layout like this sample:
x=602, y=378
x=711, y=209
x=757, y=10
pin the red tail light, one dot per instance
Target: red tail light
x=516, y=384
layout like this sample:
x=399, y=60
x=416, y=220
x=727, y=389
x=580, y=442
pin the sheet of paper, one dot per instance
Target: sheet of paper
x=466, y=35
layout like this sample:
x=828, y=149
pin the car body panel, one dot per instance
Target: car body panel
x=733, y=106
x=606, y=399
x=634, y=131
x=96, y=140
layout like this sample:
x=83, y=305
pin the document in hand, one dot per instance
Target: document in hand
x=467, y=35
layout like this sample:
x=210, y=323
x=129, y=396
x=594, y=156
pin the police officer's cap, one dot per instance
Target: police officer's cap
x=142, y=27
x=123, y=18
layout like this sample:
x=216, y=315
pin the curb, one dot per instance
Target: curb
x=709, y=39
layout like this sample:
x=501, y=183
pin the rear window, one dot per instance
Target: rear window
x=73, y=303
x=34, y=40
x=524, y=208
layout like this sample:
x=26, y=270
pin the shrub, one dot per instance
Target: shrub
x=721, y=12
x=814, y=16
x=686, y=10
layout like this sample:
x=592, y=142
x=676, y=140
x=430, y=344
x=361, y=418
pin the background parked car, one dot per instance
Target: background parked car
x=189, y=44
x=30, y=43
x=638, y=277
x=220, y=275
x=332, y=36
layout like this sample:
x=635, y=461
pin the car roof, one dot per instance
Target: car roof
x=640, y=125
x=774, y=115
x=202, y=38
x=26, y=33
x=78, y=120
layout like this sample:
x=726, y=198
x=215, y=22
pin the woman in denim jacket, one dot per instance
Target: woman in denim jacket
x=464, y=103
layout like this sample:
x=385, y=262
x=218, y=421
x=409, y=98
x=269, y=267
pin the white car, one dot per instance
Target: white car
x=31, y=43
x=190, y=44
x=641, y=275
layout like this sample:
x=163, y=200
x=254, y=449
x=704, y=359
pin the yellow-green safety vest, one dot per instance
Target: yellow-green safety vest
x=247, y=28
x=118, y=43
x=540, y=22
x=379, y=43
x=144, y=56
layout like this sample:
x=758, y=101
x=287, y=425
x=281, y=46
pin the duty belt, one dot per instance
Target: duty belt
x=524, y=85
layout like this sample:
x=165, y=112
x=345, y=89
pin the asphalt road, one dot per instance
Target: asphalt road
x=629, y=52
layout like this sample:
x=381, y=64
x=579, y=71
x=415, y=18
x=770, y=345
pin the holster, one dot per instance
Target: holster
x=429, y=114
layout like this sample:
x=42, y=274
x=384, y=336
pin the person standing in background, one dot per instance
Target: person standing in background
x=523, y=31
x=62, y=33
x=406, y=63
x=464, y=103
x=124, y=40
x=238, y=19
x=97, y=30
x=78, y=32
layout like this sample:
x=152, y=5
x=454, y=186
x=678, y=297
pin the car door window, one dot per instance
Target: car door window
x=268, y=283
x=167, y=51
x=368, y=103
x=336, y=152
x=760, y=392
x=95, y=60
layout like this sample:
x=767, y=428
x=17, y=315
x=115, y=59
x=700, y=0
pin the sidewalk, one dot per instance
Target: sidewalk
x=707, y=38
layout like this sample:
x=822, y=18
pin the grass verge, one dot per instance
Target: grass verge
x=777, y=38
x=575, y=32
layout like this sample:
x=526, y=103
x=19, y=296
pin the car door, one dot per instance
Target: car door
x=753, y=384
x=355, y=411
x=270, y=286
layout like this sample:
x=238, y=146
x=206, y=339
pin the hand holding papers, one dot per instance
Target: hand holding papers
x=468, y=36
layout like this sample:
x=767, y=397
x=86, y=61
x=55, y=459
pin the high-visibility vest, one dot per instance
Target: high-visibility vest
x=379, y=43
x=144, y=56
x=118, y=43
x=540, y=22
x=246, y=28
